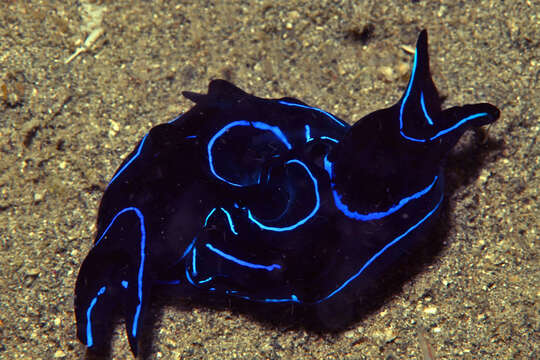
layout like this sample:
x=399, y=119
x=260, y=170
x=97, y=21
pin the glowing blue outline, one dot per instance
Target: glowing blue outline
x=174, y=119
x=328, y=166
x=139, y=149
x=422, y=103
x=329, y=138
x=211, y=144
x=316, y=109
x=89, y=338
x=404, y=100
x=231, y=224
x=229, y=219
x=141, y=270
x=208, y=216
x=458, y=124
x=308, y=133
x=242, y=262
x=189, y=279
x=168, y=282
x=379, y=215
x=186, y=251
x=302, y=221
x=405, y=97
x=380, y=252
x=143, y=256
x=295, y=299
x=194, y=262
x=256, y=124
x=274, y=129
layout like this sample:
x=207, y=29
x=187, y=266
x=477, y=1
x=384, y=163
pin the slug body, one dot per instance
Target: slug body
x=268, y=200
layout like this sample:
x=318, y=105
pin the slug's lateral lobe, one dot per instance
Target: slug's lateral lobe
x=267, y=200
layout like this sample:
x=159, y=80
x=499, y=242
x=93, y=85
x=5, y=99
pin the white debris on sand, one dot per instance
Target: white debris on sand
x=92, y=16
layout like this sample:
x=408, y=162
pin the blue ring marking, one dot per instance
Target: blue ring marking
x=256, y=124
x=89, y=338
x=194, y=262
x=275, y=130
x=302, y=221
x=329, y=138
x=422, y=103
x=124, y=284
x=229, y=219
x=379, y=215
x=380, y=252
x=211, y=144
x=314, y=108
x=458, y=124
x=308, y=134
x=242, y=262
x=139, y=149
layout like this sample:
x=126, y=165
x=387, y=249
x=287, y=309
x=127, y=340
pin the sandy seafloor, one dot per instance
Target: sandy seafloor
x=64, y=129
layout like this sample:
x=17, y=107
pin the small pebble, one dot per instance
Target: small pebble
x=389, y=335
x=32, y=272
x=59, y=354
x=431, y=310
x=386, y=336
x=387, y=73
x=408, y=49
x=39, y=196
x=115, y=126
